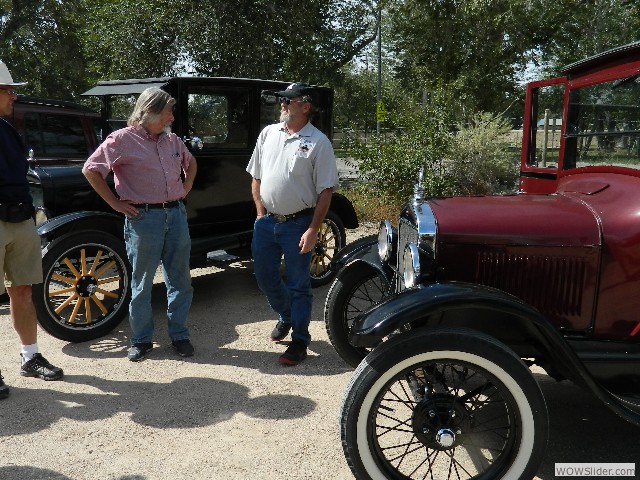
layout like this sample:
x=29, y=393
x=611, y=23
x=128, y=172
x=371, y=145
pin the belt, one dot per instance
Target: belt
x=172, y=204
x=283, y=218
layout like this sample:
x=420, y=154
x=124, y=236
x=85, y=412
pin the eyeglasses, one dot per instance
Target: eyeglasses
x=8, y=92
x=288, y=101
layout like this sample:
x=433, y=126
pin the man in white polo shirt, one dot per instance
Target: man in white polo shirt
x=294, y=174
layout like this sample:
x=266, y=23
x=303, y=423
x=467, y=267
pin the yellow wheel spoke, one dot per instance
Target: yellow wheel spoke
x=105, y=268
x=96, y=262
x=115, y=278
x=64, y=304
x=61, y=278
x=107, y=293
x=100, y=305
x=55, y=293
x=83, y=261
x=72, y=268
x=76, y=308
x=87, y=309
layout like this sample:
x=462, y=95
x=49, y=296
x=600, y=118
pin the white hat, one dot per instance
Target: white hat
x=6, y=79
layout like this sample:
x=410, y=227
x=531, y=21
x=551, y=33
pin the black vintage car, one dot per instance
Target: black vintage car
x=444, y=313
x=86, y=290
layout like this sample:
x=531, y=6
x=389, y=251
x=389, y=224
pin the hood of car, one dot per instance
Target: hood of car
x=543, y=220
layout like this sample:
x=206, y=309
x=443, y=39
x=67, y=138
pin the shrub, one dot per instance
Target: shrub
x=457, y=159
x=388, y=163
x=479, y=158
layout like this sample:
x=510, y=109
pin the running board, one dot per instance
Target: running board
x=221, y=257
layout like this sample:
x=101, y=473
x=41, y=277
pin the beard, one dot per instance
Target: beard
x=285, y=117
x=167, y=128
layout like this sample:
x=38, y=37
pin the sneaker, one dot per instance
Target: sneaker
x=280, y=331
x=295, y=353
x=4, y=390
x=39, y=367
x=139, y=351
x=183, y=347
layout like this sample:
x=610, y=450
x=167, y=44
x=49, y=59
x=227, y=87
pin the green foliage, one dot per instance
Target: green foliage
x=39, y=40
x=480, y=159
x=356, y=98
x=388, y=163
x=467, y=159
x=62, y=47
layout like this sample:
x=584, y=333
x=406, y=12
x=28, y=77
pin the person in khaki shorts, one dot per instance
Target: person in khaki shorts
x=20, y=257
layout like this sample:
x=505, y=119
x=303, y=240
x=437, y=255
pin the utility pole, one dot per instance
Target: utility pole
x=379, y=104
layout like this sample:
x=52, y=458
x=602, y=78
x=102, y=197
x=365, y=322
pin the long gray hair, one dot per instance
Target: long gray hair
x=149, y=106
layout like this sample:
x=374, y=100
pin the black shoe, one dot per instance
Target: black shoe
x=39, y=367
x=295, y=353
x=280, y=331
x=139, y=351
x=4, y=390
x=183, y=347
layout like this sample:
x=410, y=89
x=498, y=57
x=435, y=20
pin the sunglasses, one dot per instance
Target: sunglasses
x=8, y=92
x=288, y=101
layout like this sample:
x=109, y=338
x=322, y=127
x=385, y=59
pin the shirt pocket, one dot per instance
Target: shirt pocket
x=302, y=160
x=300, y=165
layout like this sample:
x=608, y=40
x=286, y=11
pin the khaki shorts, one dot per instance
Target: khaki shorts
x=20, y=255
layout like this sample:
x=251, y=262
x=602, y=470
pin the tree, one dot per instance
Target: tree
x=585, y=28
x=475, y=47
x=278, y=39
x=40, y=43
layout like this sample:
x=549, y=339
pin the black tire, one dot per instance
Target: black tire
x=446, y=404
x=331, y=238
x=356, y=289
x=86, y=289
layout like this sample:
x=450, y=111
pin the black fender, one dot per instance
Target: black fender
x=490, y=311
x=354, y=250
x=79, y=221
x=342, y=207
x=364, y=250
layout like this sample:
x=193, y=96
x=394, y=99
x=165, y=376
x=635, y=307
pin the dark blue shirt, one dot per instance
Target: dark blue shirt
x=14, y=187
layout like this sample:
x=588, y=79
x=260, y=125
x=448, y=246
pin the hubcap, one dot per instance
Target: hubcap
x=86, y=286
x=439, y=419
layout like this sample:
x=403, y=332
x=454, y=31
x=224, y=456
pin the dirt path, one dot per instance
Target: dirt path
x=230, y=412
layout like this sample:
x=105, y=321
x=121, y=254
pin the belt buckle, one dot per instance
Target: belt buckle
x=279, y=218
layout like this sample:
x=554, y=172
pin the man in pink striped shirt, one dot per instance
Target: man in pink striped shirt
x=147, y=161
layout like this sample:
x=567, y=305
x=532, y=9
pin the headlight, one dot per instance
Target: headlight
x=411, y=265
x=386, y=242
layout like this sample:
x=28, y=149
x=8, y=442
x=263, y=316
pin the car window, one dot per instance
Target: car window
x=604, y=125
x=547, y=107
x=218, y=119
x=52, y=135
x=270, y=109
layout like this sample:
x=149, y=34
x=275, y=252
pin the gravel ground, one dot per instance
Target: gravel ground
x=230, y=412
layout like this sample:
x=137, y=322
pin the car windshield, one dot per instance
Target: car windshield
x=603, y=125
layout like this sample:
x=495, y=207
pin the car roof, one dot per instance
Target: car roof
x=621, y=54
x=50, y=102
x=137, y=85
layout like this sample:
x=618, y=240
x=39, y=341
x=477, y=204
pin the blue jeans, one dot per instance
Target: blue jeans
x=151, y=237
x=291, y=300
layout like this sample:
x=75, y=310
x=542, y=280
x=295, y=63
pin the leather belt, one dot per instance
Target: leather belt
x=172, y=204
x=283, y=218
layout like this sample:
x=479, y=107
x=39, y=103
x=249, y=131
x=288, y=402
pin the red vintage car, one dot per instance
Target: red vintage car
x=444, y=314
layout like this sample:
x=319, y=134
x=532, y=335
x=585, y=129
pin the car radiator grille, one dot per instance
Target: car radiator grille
x=407, y=233
x=553, y=285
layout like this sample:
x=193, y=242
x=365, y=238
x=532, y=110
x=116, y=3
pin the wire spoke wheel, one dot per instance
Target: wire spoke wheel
x=356, y=289
x=443, y=405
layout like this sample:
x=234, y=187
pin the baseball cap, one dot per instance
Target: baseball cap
x=299, y=90
x=6, y=79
